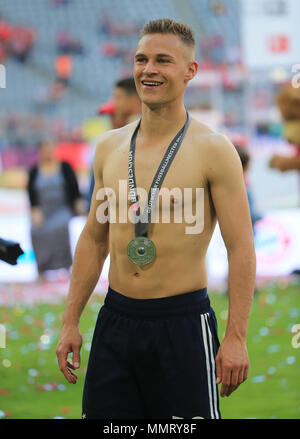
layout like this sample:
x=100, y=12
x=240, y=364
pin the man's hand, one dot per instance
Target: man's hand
x=80, y=207
x=70, y=341
x=232, y=364
x=37, y=217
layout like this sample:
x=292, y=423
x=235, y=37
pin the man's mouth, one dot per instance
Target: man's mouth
x=152, y=83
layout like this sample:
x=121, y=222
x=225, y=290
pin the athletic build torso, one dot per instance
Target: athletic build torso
x=182, y=242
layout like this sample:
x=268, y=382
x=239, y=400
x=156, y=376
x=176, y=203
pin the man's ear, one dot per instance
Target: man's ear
x=192, y=71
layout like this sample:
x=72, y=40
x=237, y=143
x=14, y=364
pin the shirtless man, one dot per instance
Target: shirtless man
x=155, y=351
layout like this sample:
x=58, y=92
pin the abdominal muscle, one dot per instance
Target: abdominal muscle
x=179, y=266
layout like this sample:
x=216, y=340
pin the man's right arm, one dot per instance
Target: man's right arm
x=90, y=254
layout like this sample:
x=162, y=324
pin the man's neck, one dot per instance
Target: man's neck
x=162, y=121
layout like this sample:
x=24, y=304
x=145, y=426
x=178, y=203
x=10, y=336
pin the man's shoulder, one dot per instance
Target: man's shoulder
x=112, y=138
x=206, y=136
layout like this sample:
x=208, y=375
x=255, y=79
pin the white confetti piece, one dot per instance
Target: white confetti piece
x=23, y=389
x=273, y=348
x=264, y=331
x=6, y=362
x=45, y=339
x=32, y=372
x=48, y=387
x=294, y=313
x=256, y=339
x=290, y=360
x=61, y=387
x=259, y=379
x=87, y=346
x=271, y=298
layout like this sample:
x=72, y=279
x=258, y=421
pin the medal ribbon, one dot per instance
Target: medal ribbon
x=142, y=222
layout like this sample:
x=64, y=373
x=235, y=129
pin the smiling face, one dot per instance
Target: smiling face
x=162, y=68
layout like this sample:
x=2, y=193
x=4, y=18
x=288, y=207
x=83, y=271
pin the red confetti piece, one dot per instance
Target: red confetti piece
x=26, y=329
x=40, y=388
x=65, y=410
x=4, y=392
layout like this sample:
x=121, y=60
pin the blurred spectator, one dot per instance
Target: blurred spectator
x=6, y=31
x=64, y=68
x=57, y=90
x=126, y=99
x=107, y=26
x=111, y=49
x=117, y=120
x=45, y=97
x=21, y=42
x=54, y=198
x=124, y=108
x=104, y=24
x=219, y=7
x=213, y=48
x=245, y=160
x=15, y=40
x=3, y=53
x=68, y=44
x=288, y=101
x=60, y=2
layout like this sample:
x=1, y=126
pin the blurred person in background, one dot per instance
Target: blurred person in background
x=64, y=68
x=123, y=108
x=288, y=102
x=109, y=109
x=54, y=198
x=127, y=101
x=116, y=121
x=245, y=160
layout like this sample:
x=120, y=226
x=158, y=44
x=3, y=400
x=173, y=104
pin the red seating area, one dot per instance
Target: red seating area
x=15, y=41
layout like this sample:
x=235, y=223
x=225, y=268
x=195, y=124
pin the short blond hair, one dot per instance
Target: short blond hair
x=168, y=26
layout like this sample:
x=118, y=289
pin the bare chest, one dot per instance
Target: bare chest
x=185, y=173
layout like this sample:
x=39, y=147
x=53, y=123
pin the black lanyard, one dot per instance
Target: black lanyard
x=142, y=221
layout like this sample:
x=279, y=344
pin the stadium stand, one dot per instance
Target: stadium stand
x=107, y=34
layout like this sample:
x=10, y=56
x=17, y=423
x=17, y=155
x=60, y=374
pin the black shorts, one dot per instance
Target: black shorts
x=153, y=358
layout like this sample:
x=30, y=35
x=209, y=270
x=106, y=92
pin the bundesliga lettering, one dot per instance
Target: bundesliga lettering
x=132, y=195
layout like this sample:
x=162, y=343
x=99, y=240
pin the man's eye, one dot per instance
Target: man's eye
x=163, y=60
x=140, y=59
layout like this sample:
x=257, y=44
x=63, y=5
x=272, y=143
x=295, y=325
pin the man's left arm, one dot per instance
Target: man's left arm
x=225, y=177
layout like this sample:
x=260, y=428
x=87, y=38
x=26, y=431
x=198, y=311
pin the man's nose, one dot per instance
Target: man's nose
x=150, y=67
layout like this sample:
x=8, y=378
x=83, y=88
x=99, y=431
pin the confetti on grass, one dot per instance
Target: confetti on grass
x=259, y=379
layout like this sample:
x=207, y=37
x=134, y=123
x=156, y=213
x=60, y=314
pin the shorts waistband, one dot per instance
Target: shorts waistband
x=195, y=301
